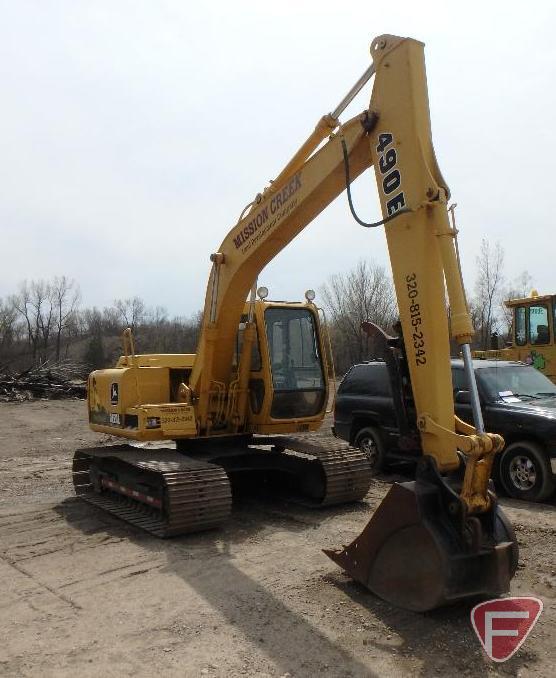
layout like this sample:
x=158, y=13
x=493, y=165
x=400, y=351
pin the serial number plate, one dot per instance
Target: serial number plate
x=175, y=417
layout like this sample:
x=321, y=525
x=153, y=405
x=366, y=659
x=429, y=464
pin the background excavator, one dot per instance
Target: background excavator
x=435, y=540
x=533, y=334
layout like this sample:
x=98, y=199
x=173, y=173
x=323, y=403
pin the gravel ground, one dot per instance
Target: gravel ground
x=83, y=594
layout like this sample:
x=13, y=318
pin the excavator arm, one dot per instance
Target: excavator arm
x=423, y=256
x=443, y=537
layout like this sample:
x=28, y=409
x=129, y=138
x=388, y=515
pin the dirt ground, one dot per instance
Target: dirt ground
x=83, y=594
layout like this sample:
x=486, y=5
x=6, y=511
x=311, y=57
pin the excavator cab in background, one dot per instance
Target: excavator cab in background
x=231, y=408
x=533, y=334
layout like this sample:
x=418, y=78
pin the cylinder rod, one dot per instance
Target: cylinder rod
x=353, y=92
x=475, y=402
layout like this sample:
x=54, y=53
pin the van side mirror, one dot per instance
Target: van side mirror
x=463, y=398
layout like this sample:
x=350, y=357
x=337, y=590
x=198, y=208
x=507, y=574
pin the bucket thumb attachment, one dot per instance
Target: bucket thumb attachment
x=420, y=551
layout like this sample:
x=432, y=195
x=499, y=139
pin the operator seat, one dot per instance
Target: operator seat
x=543, y=335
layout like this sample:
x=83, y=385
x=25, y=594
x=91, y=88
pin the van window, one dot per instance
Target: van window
x=346, y=385
x=369, y=379
x=459, y=380
x=381, y=380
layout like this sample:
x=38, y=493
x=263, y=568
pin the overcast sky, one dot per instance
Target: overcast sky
x=133, y=133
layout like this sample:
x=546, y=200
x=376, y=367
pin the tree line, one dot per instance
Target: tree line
x=44, y=320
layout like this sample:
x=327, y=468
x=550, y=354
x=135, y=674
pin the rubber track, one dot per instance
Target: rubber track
x=197, y=494
x=347, y=470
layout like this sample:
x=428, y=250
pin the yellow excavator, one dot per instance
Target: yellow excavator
x=260, y=373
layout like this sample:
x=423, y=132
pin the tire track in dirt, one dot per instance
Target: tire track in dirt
x=16, y=566
x=256, y=598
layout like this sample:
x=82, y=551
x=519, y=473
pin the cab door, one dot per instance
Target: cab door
x=299, y=385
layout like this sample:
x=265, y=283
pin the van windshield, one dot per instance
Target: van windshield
x=515, y=380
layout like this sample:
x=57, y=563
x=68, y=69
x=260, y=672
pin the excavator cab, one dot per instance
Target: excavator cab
x=289, y=368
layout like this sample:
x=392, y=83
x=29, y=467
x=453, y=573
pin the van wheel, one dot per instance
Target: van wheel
x=369, y=442
x=525, y=472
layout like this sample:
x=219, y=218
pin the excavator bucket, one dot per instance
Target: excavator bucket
x=420, y=551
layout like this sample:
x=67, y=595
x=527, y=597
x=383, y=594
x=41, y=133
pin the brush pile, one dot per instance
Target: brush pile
x=46, y=381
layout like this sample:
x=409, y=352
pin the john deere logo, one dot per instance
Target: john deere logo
x=114, y=394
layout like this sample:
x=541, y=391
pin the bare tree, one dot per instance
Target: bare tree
x=365, y=293
x=488, y=290
x=66, y=296
x=8, y=327
x=111, y=320
x=43, y=320
x=155, y=333
x=34, y=303
x=189, y=331
x=161, y=335
x=131, y=311
x=521, y=286
x=95, y=354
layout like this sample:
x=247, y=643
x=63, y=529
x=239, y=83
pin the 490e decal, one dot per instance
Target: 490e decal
x=391, y=177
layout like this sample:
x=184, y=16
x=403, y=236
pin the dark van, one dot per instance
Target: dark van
x=517, y=401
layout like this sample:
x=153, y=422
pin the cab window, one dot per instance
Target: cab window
x=520, y=329
x=297, y=371
x=538, y=325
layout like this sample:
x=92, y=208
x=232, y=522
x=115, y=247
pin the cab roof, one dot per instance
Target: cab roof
x=528, y=301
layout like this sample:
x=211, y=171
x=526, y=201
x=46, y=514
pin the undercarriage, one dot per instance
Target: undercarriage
x=169, y=492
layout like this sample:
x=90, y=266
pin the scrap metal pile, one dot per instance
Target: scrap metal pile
x=47, y=381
